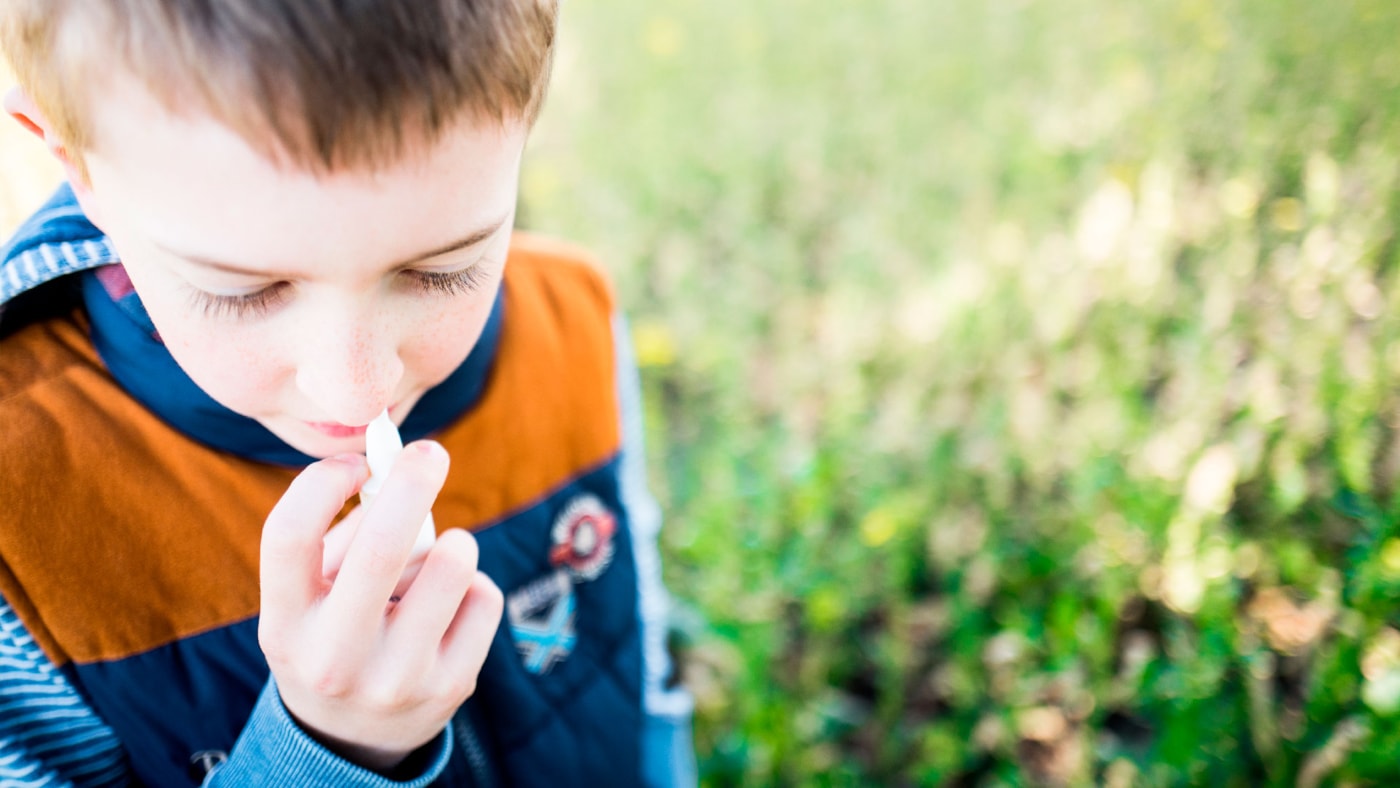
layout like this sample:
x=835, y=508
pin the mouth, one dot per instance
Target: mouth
x=334, y=429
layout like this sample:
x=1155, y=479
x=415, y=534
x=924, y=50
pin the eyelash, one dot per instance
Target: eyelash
x=467, y=280
x=249, y=305
x=263, y=301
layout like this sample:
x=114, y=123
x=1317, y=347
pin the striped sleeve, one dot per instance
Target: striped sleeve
x=48, y=734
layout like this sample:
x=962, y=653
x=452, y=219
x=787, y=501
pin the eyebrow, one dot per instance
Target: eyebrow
x=471, y=239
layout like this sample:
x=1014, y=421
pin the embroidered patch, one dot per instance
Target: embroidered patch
x=541, y=615
x=542, y=612
x=583, y=538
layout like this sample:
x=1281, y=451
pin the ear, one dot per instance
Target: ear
x=20, y=106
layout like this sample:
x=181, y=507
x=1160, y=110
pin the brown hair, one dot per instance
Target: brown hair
x=326, y=84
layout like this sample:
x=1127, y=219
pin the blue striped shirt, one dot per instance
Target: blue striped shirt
x=48, y=735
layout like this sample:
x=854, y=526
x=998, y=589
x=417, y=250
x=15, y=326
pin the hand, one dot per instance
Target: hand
x=372, y=682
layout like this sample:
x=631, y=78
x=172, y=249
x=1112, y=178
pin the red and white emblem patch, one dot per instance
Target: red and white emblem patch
x=583, y=538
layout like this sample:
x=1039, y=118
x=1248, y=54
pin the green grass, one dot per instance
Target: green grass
x=1020, y=376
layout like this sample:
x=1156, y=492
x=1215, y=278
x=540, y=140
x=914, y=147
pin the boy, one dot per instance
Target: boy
x=281, y=219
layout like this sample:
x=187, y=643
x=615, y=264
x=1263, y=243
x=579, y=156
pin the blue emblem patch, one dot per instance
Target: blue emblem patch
x=542, y=612
x=541, y=617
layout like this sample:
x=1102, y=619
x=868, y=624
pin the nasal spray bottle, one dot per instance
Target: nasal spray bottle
x=382, y=447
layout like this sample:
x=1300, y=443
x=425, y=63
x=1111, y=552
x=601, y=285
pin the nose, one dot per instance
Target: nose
x=350, y=369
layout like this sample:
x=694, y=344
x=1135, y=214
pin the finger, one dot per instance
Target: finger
x=385, y=536
x=337, y=542
x=422, y=545
x=430, y=604
x=291, y=551
x=470, y=634
x=410, y=573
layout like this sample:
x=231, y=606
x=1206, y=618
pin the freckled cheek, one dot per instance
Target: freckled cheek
x=240, y=372
x=441, y=345
x=236, y=366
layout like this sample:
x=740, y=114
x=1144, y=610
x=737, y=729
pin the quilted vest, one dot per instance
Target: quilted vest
x=130, y=550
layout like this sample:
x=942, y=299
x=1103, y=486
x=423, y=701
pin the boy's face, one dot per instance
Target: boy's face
x=307, y=303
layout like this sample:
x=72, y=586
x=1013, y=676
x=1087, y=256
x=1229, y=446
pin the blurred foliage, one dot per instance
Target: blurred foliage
x=1020, y=376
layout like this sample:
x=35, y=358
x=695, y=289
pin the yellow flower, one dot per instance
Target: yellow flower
x=1287, y=214
x=654, y=344
x=878, y=527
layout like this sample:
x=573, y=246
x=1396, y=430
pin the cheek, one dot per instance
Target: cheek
x=441, y=344
x=235, y=368
x=239, y=373
x=233, y=364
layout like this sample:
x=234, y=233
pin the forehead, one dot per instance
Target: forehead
x=187, y=180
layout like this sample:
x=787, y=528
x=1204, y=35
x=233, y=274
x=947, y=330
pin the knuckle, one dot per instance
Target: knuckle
x=274, y=646
x=467, y=687
x=456, y=561
x=489, y=595
x=280, y=547
x=331, y=681
x=323, y=478
x=461, y=686
x=325, y=674
x=380, y=557
x=388, y=698
x=461, y=544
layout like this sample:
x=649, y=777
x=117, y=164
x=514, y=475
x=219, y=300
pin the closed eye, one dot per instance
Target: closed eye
x=248, y=305
x=467, y=280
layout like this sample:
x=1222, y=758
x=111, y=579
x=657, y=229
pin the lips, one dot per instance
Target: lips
x=333, y=429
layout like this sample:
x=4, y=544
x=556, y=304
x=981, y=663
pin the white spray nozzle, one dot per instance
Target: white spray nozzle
x=382, y=447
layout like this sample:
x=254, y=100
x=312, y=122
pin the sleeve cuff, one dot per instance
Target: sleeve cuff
x=668, y=752
x=274, y=751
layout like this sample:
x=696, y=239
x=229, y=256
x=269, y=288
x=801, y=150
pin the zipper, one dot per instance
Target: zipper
x=471, y=745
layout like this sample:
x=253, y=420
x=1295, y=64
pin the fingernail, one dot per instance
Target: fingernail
x=430, y=449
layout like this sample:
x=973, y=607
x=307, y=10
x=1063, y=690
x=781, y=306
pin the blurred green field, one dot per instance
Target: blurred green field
x=1021, y=377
